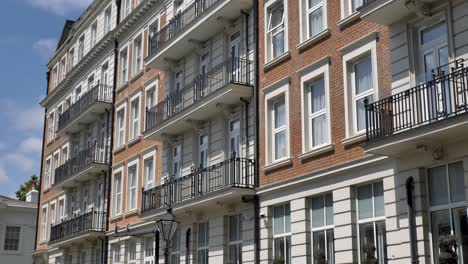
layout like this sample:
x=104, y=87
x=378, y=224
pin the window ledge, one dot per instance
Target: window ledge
x=132, y=212
x=116, y=217
x=119, y=149
x=348, y=20
x=267, y=66
x=136, y=76
x=122, y=86
x=317, y=151
x=278, y=164
x=311, y=41
x=353, y=140
x=133, y=141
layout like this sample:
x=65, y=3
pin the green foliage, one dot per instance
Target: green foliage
x=24, y=188
x=447, y=246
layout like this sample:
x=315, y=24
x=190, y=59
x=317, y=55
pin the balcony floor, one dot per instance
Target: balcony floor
x=201, y=30
x=438, y=133
x=77, y=238
x=202, y=110
x=90, y=115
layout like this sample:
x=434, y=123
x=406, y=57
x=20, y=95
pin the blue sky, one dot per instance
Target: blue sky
x=29, y=30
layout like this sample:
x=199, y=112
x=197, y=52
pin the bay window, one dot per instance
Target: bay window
x=282, y=233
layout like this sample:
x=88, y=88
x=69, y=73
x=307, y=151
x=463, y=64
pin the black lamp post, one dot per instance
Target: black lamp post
x=168, y=226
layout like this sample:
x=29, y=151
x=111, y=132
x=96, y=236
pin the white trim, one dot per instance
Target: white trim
x=116, y=172
x=123, y=107
x=134, y=162
x=54, y=165
x=47, y=181
x=123, y=78
x=135, y=97
x=149, y=156
x=135, y=71
x=268, y=7
x=44, y=224
x=353, y=53
x=304, y=23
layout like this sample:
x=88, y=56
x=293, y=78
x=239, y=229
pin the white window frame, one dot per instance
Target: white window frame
x=55, y=76
x=356, y=51
x=147, y=157
x=152, y=86
x=237, y=243
x=135, y=120
x=55, y=165
x=51, y=126
x=203, y=148
x=47, y=172
x=62, y=215
x=323, y=228
x=63, y=67
x=272, y=94
x=64, y=158
x=123, y=66
x=318, y=71
x=135, y=164
x=107, y=19
x=121, y=138
x=285, y=234
x=137, y=56
x=53, y=215
x=71, y=58
x=127, y=6
x=132, y=254
x=93, y=33
x=347, y=9
x=44, y=221
x=372, y=219
x=203, y=248
x=116, y=254
x=117, y=194
x=304, y=19
x=269, y=6
x=81, y=47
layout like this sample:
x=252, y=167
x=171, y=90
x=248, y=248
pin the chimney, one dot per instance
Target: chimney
x=32, y=196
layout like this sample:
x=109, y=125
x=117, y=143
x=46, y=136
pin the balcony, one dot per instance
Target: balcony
x=433, y=113
x=196, y=24
x=88, y=225
x=82, y=167
x=224, y=182
x=387, y=12
x=83, y=111
x=223, y=85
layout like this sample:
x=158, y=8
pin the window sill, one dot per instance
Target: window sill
x=271, y=64
x=122, y=86
x=116, y=218
x=278, y=164
x=46, y=190
x=317, y=151
x=132, y=212
x=353, y=140
x=133, y=141
x=136, y=76
x=313, y=40
x=348, y=20
x=119, y=149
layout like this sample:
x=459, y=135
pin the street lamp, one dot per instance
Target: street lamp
x=168, y=226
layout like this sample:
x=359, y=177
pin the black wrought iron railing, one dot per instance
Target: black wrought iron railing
x=99, y=93
x=234, y=172
x=91, y=221
x=444, y=97
x=179, y=23
x=234, y=70
x=95, y=154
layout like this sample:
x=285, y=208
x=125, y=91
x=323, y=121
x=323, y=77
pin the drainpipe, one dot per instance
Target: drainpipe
x=42, y=163
x=412, y=221
x=257, y=134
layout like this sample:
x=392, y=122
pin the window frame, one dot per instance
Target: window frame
x=269, y=7
x=55, y=165
x=51, y=126
x=55, y=76
x=237, y=243
x=283, y=235
x=122, y=107
x=150, y=156
x=323, y=228
x=93, y=33
x=135, y=164
x=204, y=248
x=137, y=66
x=18, y=240
x=107, y=19
x=81, y=46
x=176, y=253
x=135, y=120
x=47, y=172
x=123, y=66
x=366, y=46
x=304, y=12
x=44, y=220
x=63, y=67
x=117, y=194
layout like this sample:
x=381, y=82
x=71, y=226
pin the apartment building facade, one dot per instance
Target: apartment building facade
x=77, y=138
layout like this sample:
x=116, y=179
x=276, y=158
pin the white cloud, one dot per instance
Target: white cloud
x=21, y=161
x=61, y=7
x=31, y=145
x=45, y=47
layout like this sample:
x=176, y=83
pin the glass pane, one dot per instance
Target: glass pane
x=381, y=242
x=319, y=130
x=317, y=96
x=280, y=145
x=318, y=217
x=318, y=241
x=365, y=202
x=234, y=254
x=457, y=182
x=278, y=220
x=429, y=65
x=367, y=244
x=313, y=3
x=315, y=22
x=438, y=186
x=329, y=209
x=276, y=16
x=287, y=218
x=444, y=59
x=279, y=248
x=233, y=228
x=280, y=117
x=461, y=233
x=361, y=112
x=440, y=227
x=379, y=205
x=363, y=73
x=434, y=32
x=288, y=250
x=278, y=44
x=330, y=247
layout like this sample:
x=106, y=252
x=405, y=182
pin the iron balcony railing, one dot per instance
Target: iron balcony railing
x=95, y=154
x=91, y=221
x=179, y=23
x=234, y=172
x=445, y=96
x=234, y=70
x=99, y=93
